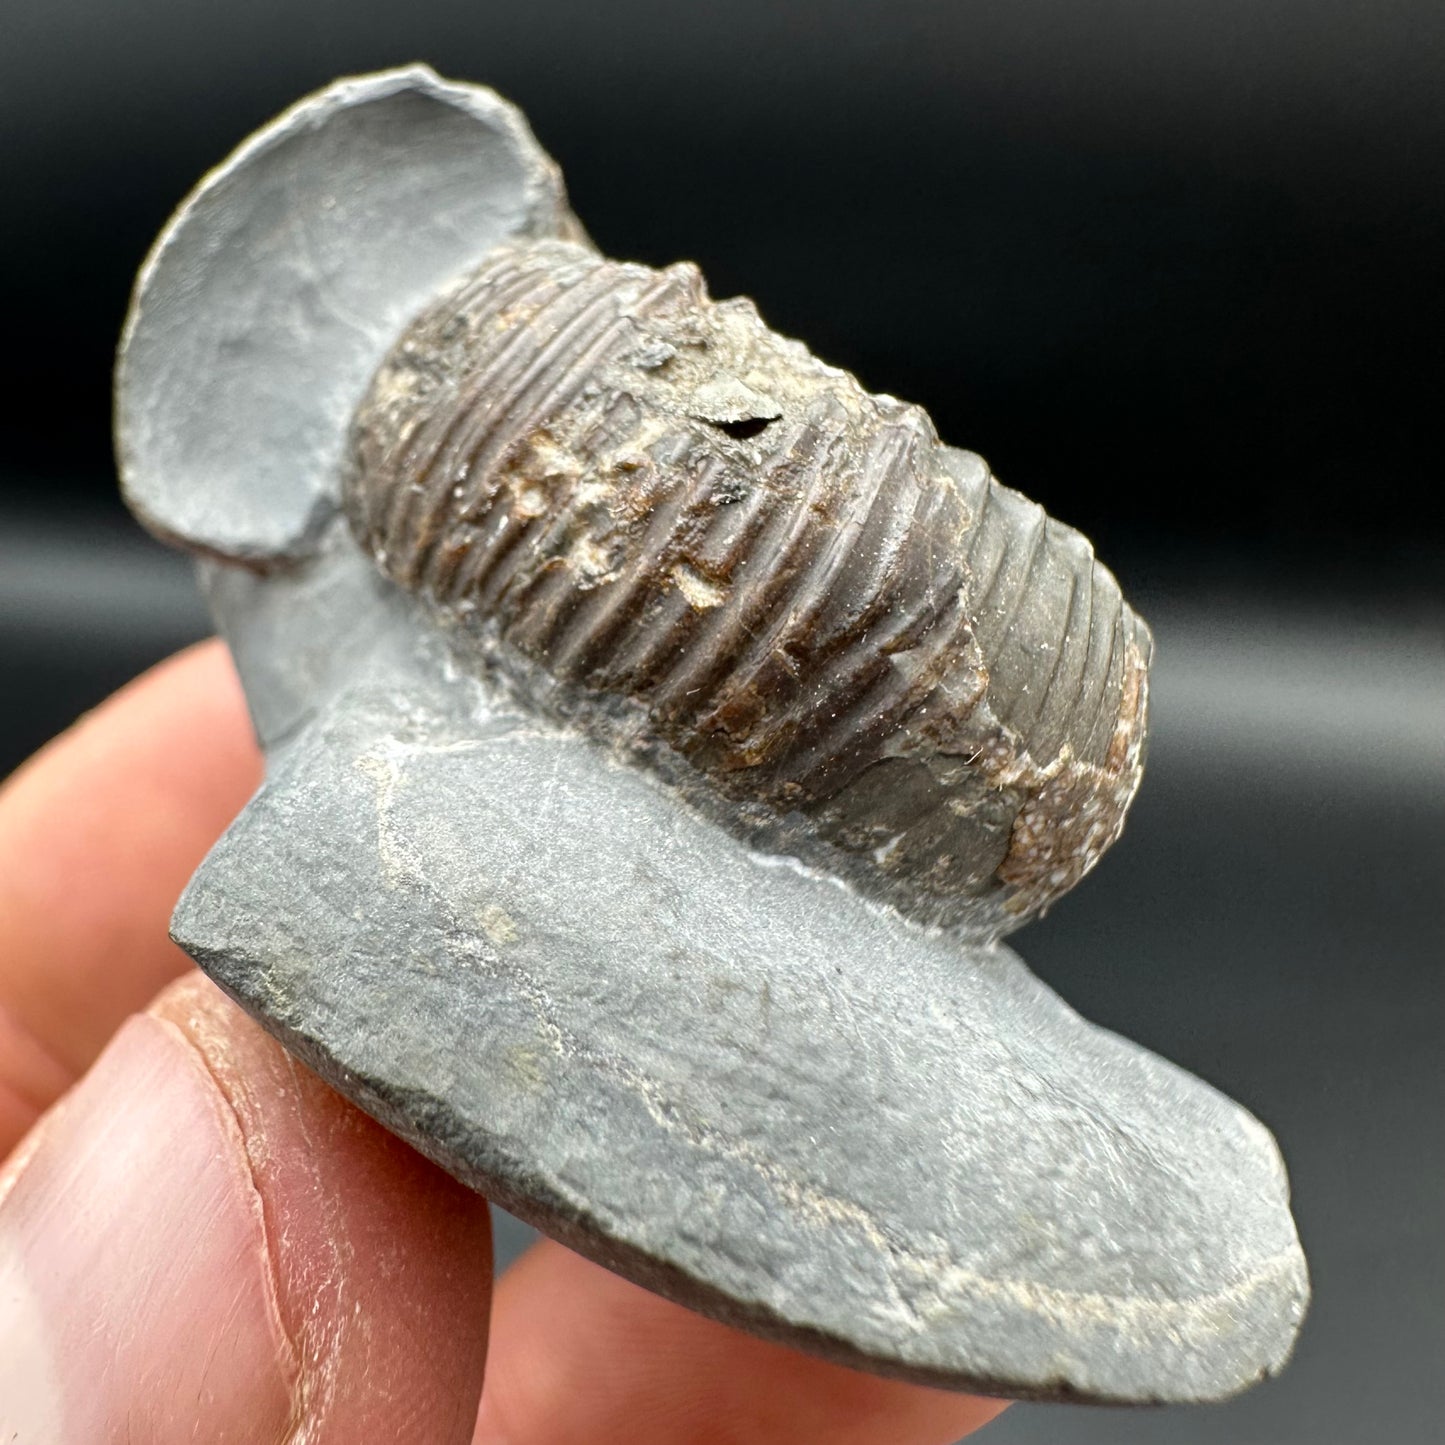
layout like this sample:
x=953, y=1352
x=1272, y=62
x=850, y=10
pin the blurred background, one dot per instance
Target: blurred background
x=1175, y=270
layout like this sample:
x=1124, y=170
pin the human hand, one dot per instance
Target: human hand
x=202, y=1242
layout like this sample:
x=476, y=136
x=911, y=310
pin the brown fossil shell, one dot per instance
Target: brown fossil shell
x=689, y=532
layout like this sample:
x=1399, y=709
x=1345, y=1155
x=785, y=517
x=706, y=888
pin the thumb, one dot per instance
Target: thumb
x=202, y=1242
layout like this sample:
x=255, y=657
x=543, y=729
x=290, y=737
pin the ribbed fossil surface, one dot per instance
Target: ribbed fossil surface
x=768, y=578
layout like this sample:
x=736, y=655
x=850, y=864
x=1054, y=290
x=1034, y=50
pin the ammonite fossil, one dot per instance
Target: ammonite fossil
x=807, y=598
x=660, y=732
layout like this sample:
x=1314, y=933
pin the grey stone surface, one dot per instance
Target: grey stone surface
x=274, y=291
x=730, y=1079
x=726, y=1076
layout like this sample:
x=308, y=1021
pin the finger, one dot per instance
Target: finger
x=98, y=834
x=580, y=1355
x=203, y=1242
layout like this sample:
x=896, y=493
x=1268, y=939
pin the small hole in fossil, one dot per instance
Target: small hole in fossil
x=744, y=427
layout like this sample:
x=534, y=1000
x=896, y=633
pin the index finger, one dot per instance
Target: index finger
x=99, y=833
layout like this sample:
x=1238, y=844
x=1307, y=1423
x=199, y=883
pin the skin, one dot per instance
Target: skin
x=200, y=1241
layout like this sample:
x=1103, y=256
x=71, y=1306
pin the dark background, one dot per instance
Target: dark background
x=1174, y=269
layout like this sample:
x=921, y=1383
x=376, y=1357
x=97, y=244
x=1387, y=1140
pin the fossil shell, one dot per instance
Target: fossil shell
x=686, y=530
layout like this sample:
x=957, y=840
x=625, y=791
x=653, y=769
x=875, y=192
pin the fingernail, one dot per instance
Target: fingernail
x=137, y=1295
